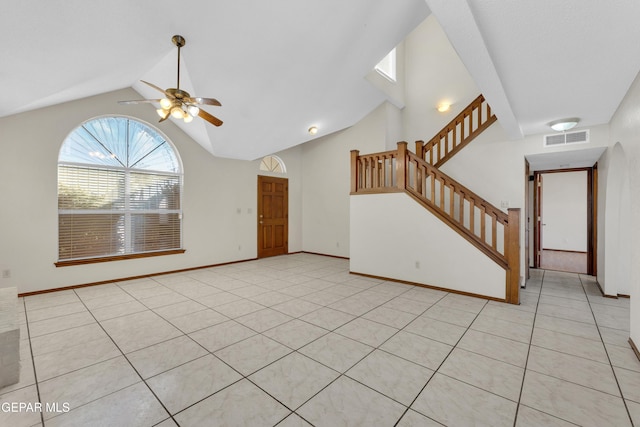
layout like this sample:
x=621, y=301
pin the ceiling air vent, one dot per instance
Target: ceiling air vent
x=566, y=138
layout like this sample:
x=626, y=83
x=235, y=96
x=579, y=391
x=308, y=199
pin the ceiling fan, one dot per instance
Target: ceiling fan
x=177, y=103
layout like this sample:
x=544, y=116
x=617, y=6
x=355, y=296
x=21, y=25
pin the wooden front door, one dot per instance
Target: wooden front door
x=273, y=216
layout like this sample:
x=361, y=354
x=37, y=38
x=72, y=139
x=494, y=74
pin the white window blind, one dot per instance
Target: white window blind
x=119, y=191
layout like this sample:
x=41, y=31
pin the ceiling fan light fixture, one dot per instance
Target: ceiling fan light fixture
x=178, y=103
x=177, y=113
x=165, y=103
x=564, y=124
x=193, y=110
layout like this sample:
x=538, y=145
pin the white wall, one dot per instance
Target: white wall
x=564, y=211
x=326, y=175
x=214, y=190
x=433, y=74
x=625, y=130
x=395, y=237
x=614, y=270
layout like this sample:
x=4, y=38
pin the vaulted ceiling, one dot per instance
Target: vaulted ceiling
x=278, y=67
x=281, y=66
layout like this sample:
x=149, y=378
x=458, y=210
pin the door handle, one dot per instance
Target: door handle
x=260, y=222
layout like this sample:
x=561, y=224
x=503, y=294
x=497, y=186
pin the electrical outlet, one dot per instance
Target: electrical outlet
x=6, y=274
x=504, y=204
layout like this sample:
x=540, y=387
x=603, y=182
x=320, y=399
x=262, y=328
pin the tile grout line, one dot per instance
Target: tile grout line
x=615, y=376
x=33, y=361
x=391, y=296
x=128, y=361
x=440, y=365
x=184, y=334
x=526, y=363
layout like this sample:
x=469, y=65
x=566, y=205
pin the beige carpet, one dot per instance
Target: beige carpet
x=573, y=262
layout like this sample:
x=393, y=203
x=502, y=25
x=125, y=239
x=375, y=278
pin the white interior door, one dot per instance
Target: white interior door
x=564, y=211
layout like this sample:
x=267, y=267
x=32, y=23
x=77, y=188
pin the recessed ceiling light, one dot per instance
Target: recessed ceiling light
x=564, y=124
x=313, y=130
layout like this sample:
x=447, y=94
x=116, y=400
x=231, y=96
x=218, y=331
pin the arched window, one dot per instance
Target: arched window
x=272, y=164
x=119, y=192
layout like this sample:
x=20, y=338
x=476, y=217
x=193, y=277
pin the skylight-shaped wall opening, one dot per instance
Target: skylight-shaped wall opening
x=387, y=67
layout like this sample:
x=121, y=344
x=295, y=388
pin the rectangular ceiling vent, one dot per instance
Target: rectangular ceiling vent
x=566, y=138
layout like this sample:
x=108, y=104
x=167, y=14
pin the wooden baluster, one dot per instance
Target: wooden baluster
x=462, y=209
x=480, y=114
x=365, y=173
x=494, y=232
x=376, y=164
x=483, y=221
x=433, y=188
x=452, y=196
x=472, y=211
x=455, y=136
x=417, y=180
x=424, y=181
x=442, y=185
x=354, y=170
x=385, y=183
x=372, y=168
x=446, y=143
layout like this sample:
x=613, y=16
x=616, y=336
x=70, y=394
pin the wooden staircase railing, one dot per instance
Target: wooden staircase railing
x=460, y=131
x=495, y=233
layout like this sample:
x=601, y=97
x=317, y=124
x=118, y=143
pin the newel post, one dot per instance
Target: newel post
x=512, y=253
x=401, y=166
x=354, y=170
x=420, y=149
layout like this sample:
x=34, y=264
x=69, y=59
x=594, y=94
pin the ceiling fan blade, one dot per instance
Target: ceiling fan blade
x=207, y=101
x=156, y=88
x=208, y=117
x=138, y=101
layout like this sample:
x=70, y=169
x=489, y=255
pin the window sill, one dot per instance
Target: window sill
x=117, y=258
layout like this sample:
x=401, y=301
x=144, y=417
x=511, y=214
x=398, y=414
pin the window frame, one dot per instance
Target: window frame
x=127, y=212
x=279, y=162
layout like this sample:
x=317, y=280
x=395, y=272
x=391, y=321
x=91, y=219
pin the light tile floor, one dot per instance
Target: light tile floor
x=297, y=340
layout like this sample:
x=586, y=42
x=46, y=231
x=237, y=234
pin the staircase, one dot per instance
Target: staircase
x=459, y=132
x=485, y=226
